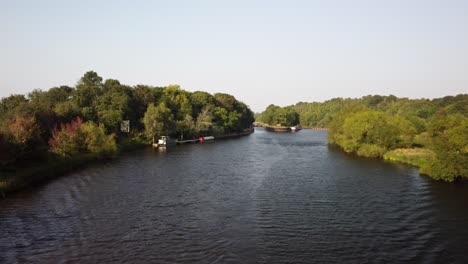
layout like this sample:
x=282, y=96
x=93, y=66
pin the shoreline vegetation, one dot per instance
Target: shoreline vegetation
x=40, y=173
x=22, y=176
x=418, y=157
x=429, y=134
x=46, y=134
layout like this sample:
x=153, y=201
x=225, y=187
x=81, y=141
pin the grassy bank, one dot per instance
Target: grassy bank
x=419, y=157
x=21, y=176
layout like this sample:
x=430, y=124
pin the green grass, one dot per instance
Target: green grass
x=418, y=157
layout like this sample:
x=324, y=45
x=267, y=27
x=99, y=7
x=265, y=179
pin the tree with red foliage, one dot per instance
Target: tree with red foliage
x=23, y=130
x=67, y=139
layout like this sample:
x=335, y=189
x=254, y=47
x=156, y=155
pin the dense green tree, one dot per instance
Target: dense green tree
x=95, y=139
x=66, y=111
x=366, y=129
x=371, y=133
x=269, y=116
x=87, y=91
x=9, y=104
x=204, y=120
x=450, y=143
x=186, y=126
x=275, y=115
x=113, y=105
x=228, y=121
x=226, y=101
x=142, y=96
x=246, y=117
x=51, y=116
x=49, y=99
x=158, y=121
x=201, y=100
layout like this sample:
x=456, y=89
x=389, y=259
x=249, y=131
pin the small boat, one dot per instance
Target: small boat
x=164, y=141
x=296, y=128
x=278, y=128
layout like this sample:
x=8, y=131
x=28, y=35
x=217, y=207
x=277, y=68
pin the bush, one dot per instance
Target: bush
x=96, y=140
x=77, y=137
x=438, y=171
x=371, y=151
x=67, y=140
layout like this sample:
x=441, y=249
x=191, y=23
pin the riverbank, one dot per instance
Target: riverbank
x=423, y=158
x=246, y=132
x=418, y=157
x=23, y=176
x=260, y=124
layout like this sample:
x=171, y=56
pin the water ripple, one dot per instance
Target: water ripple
x=266, y=198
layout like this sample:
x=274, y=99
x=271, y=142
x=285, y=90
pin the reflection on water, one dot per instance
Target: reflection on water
x=263, y=198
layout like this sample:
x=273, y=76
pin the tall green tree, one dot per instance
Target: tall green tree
x=158, y=121
x=450, y=141
x=113, y=105
x=87, y=91
x=10, y=103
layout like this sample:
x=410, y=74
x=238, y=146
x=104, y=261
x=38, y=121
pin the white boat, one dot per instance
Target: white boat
x=165, y=141
x=296, y=128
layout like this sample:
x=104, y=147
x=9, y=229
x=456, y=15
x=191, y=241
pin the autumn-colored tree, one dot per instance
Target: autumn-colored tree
x=78, y=137
x=67, y=139
x=23, y=129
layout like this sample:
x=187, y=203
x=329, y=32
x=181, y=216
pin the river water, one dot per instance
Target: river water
x=264, y=198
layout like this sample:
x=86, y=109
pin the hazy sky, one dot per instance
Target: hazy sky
x=262, y=52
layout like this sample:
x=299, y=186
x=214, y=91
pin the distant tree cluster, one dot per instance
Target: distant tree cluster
x=373, y=126
x=64, y=121
x=282, y=116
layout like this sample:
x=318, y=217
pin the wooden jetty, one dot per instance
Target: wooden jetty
x=162, y=143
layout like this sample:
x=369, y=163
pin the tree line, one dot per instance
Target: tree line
x=65, y=121
x=431, y=134
x=278, y=116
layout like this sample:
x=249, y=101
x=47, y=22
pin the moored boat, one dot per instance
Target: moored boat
x=164, y=141
x=296, y=128
x=278, y=128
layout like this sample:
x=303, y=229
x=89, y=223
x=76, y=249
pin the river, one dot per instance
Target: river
x=263, y=198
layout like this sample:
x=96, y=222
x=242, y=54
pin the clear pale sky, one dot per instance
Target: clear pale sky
x=262, y=52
